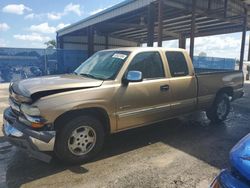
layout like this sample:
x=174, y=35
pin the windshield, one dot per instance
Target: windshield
x=103, y=65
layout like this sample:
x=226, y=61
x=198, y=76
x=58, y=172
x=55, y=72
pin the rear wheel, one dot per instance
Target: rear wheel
x=220, y=109
x=79, y=140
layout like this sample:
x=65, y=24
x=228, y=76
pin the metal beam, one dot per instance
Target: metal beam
x=221, y=29
x=151, y=19
x=225, y=8
x=202, y=11
x=170, y=33
x=165, y=32
x=59, y=42
x=192, y=34
x=113, y=26
x=182, y=41
x=174, y=28
x=160, y=28
x=169, y=26
x=123, y=38
x=90, y=41
x=209, y=5
x=169, y=21
x=106, y=41
x=174, y=32
x=176, y=4
x=59, y=46
x=249, y=50
x=243, y=41
x=215, y=31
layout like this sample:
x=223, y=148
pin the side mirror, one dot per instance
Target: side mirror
x=133, y=76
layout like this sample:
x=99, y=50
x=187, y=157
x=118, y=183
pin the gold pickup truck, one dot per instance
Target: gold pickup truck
x=112, y=91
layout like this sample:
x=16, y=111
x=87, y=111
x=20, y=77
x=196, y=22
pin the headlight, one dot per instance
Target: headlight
x=30, y=110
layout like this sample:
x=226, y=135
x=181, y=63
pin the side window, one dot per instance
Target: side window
x=149, y=63
x=177, y=64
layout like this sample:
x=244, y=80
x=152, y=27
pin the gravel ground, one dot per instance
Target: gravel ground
x=185, y=152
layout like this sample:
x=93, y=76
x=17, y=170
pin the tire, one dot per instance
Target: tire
x=220, y=109
x=71, y=144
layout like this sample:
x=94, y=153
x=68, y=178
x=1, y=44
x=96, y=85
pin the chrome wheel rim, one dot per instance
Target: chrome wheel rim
x=222, y=109
x=82, y=140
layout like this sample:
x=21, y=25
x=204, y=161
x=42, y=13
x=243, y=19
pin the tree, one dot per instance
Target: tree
x=50, y=44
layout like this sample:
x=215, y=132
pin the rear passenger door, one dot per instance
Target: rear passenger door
x=182, y=83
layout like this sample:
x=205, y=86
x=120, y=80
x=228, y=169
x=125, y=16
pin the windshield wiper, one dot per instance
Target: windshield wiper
x=90, y=76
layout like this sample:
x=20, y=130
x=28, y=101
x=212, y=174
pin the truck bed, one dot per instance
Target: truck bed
x=207, y=89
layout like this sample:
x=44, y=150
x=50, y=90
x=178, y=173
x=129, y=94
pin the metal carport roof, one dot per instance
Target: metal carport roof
x=148, y=21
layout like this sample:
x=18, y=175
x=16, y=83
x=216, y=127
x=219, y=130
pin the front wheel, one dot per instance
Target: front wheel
x=79, y=140
x=220, y=109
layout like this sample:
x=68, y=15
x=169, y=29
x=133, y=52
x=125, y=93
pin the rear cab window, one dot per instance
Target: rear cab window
x=177, y=63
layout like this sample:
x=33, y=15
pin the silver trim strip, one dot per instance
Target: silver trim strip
x=143, y=111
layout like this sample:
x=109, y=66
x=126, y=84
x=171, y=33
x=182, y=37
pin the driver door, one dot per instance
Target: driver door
x=148, y=101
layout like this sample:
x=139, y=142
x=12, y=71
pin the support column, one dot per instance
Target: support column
x=182, y=41
x=59, y=52
x=90, y=41
x=248, y=67
x=243, y=41
x=209, y=5
x=106, y=41
x=249, y=50
x=59, y=42
x=160, y=15
x=225, y=8
x=151, y=19
x=192, y=34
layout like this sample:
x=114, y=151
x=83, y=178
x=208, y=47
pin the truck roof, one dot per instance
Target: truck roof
x=145, y=49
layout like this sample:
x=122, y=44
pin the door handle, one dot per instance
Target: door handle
x=164, y=88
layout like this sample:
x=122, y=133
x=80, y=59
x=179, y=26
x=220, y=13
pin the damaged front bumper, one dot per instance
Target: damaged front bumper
x=35, y=143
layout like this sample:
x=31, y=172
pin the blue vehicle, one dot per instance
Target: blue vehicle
x=239, y=174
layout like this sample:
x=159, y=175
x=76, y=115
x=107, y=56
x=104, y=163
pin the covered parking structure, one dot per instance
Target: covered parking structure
x=134, y=22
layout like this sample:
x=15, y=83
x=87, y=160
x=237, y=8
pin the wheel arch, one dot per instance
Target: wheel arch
x=98, y=112
x=227, y=90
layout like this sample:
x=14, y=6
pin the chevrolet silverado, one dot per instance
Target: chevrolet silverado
x=112, y=91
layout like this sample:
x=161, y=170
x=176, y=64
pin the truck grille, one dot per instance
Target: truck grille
x=13, y=102
x=15, y=106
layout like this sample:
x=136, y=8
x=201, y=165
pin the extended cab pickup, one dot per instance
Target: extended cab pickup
x=112, y=91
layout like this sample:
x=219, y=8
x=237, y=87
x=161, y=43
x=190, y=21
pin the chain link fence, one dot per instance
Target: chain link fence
x=20, y=63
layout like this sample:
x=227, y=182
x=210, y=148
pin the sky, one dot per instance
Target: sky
x=29, y=24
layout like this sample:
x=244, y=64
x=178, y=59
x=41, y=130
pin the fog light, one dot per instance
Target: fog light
x=37, y=125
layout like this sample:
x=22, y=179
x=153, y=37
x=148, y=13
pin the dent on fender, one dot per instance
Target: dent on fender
x=230, y=77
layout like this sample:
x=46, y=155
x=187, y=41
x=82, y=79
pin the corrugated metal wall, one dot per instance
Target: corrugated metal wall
x=80, y=43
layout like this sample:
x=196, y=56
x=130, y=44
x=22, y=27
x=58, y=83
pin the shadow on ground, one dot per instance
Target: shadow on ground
x=207, y=142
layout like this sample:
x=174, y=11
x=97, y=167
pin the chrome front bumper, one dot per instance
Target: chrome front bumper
x=35, y=143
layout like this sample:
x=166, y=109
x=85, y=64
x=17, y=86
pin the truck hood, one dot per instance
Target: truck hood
x=48, y=85
x=240, y=157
